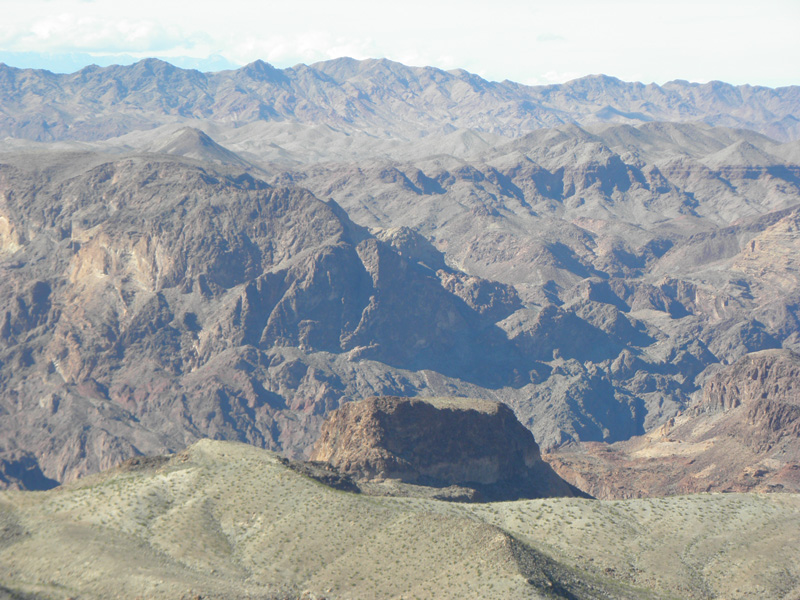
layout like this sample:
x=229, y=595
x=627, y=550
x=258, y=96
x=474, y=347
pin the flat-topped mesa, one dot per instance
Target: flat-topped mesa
x=438, y=442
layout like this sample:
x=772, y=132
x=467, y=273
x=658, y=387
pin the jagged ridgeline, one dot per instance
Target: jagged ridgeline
x=234, y=255
x=376, y=96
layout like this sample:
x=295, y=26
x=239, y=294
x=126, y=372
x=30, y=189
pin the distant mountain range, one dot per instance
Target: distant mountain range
x=69, y=62
x=385, y=97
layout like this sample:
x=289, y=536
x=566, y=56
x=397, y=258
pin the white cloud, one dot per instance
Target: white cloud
x=308, y=47
x=69, y=32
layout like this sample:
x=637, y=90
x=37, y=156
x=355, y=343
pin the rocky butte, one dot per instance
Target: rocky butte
x=476, y=448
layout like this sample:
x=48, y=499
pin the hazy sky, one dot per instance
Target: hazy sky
x=527, y=41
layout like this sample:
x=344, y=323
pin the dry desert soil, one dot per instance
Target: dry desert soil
x=227, y=520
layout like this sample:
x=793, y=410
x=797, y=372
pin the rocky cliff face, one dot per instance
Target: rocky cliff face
x=742, y=435
x=147, y=302
x=769, y=375
x=438, y=442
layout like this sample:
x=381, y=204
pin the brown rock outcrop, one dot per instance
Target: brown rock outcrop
x=743, y=435
x=438, y=442
x=769, y=374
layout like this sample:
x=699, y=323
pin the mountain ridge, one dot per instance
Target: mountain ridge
x=589, y=279
x=378, y=94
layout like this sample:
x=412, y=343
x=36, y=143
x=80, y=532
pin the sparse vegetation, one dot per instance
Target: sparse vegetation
x=232, y=521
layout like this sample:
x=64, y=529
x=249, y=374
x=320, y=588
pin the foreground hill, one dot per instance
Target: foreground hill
x=226, y=520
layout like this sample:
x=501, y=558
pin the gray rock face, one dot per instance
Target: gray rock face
x=768, y=375
x=20, y=470
x=742, y=435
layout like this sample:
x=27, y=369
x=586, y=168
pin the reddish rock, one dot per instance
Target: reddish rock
x=743, y=435
x=438, y=442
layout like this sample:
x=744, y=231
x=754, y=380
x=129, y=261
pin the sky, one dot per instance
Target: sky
x=531, y=42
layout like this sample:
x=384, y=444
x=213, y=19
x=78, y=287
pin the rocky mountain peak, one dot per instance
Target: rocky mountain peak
x=263, y=71
x=194, y=143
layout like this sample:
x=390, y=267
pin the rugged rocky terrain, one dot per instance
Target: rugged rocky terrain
x=227, y=520
x=476, y=446
x=743, y=435
x=148, y=302
x=234, y=255
x=638, y=264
